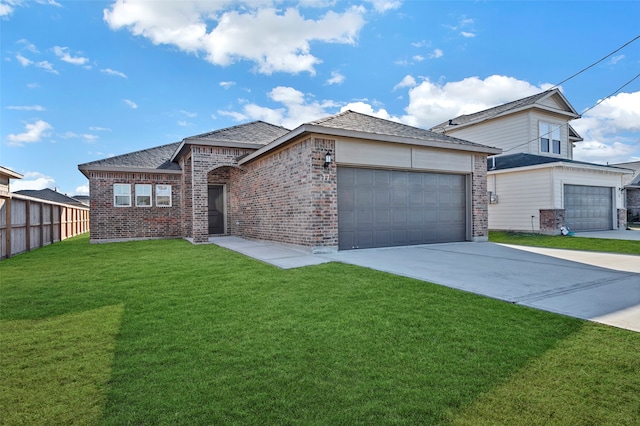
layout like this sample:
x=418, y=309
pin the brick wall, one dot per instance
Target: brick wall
x=633, y=205
x=114, y=223
x=479, y=199
x=622, y=218
x=205, y=160
x=287, y=196
x=551, y=220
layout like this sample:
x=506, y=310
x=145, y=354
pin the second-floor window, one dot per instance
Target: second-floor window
x=550, y=137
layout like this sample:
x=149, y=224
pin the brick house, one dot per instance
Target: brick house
x=343, y=182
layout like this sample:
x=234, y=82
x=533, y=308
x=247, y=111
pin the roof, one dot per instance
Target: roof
x=357, y=125
x=49, y=195
x=634, y=165
x=513, y=161
x=510, y=107
x=158, y=158
x=10, y=173
x=249, y=135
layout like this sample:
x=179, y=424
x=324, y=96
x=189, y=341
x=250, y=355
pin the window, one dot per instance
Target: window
x=163, y=195
x=143, y=195
x=122, y=195
x=550, y=138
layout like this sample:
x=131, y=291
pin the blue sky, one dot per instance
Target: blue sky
x=84, y=80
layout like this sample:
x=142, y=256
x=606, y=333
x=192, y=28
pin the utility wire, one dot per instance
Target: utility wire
x=596, y=63
x=588, y=109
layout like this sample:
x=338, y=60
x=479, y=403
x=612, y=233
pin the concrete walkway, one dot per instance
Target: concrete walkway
x=600, y=287
x=625, y=234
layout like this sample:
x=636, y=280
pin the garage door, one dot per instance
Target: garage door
x=588, y=208
x=382, y=208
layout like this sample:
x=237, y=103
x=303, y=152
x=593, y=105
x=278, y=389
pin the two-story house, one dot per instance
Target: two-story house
x=535, y=185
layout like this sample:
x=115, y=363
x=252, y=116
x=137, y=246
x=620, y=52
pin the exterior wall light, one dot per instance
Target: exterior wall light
x=327, y=159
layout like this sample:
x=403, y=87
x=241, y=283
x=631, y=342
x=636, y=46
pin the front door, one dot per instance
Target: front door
x=216, y=210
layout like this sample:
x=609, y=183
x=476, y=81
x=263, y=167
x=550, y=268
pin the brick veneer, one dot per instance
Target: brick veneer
x=551, y=220
x=204, y=159
x=479, y=199
x=114, y=223
x=622, y=218
x=287, y=196
x=633, y=204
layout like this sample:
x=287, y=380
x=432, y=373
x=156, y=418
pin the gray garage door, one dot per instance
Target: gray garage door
x=588, y=208
x=382, y=208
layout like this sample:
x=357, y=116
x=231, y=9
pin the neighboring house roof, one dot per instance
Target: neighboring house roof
x=510, y=108
x=357, y=125
x=49, y=195
x=10, y=173
x=249, y=135
x=158, y=158
x=634, y=181
x=513, y=161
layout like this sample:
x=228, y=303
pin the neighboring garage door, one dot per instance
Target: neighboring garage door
x=588, y=208
x=381, y=208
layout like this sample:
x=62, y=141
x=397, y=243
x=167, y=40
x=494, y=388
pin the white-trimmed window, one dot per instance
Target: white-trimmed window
x=163, y=195
x=550, y=137
x=122, y=195
x=143, y=195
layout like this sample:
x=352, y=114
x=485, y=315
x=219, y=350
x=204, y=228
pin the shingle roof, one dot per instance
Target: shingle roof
x=523, y=160
x=355, y=121
x=158, y=158
x=49, y=195
x=256, y=132
x=495, y=111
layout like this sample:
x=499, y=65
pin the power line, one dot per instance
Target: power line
x=588, y=109
x=596, y=63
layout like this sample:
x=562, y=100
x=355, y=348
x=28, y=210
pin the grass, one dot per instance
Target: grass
x=165, y=332
x=569, y=243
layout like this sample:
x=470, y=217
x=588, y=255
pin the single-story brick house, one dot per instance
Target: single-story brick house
x=343, y=182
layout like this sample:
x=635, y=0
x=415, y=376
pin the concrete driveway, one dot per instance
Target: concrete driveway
x=599, y=287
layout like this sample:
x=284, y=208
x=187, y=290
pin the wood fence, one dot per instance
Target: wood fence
x=27, y=223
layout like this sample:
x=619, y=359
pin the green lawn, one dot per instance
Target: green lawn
x=166, y=332
x=570, y=243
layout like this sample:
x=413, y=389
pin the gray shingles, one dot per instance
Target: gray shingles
x=354, y=121
x=257, y=132
x=49, y=195
x=491, y=112
x=157, y=158
x=523, y=160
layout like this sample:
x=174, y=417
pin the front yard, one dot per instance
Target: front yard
x=165, y=332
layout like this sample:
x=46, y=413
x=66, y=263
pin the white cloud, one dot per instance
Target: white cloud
x=227, y=84
x=86, y=136
x=610, y=130
x=407, y=81
x=418, y=58
x=64, y=55
x=82, y=190
x=385, y=5
x=421, y=43
x=431, y=103
x=275, y=40
x=616, y=59
x=8, y=6
x=33, y=133
x=188, y=114
x=47, y=66
x=33, y=85
x=437, y=53
x=131, y=104
x=365, y=108
x=33, y=181
x=336, y=78
x=113, y=72
x=23, y=61
x=28, y=46
x=5, y=9
x=26, y=107
x=296, y=109
x=99, y=129
x=467, y=34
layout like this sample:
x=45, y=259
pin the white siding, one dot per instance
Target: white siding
x=521, y=195
x=505, y=132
